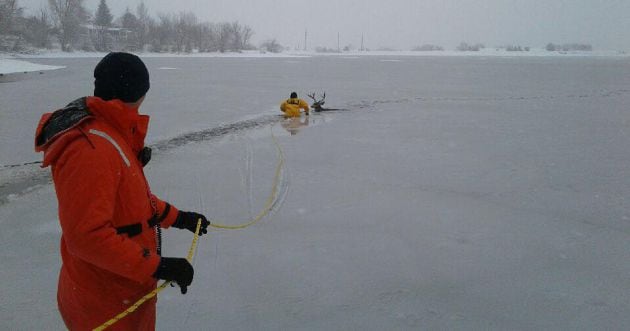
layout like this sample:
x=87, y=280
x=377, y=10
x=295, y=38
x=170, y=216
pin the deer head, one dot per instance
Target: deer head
x=317, y=104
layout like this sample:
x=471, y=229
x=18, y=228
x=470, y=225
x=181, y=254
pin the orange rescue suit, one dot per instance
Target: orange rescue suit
x=109, y=247
x=291, y=107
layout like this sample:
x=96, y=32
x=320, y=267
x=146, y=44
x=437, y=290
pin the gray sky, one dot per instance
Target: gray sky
x=402, y=24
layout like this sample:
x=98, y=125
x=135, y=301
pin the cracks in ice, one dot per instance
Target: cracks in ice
x=592, y=94
x=23, y=178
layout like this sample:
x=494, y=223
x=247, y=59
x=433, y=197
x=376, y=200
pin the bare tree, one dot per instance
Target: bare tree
x=223, y=37
x=239, y=36
x=197, y=37
x=37, y=29
x=144, y=22
x=9, y=10
x=236, y=39
x=184, y=25
x=271, y=45
x=209, y=37
x=246, y=35
x=162, y=33
x=68, y=16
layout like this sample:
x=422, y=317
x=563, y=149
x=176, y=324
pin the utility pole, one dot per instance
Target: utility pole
x=338, y=49
x=305, y=35
x=362, y=48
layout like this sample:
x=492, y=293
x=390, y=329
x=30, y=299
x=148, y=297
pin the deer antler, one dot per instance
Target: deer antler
x=317, y=104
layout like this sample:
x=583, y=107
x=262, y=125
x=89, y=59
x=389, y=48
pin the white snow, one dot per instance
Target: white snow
x=9, y=66
x=456, y=193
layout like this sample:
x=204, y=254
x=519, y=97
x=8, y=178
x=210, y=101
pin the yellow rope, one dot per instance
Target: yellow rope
x=270, y=201
x=137, y=304
x=268, y=206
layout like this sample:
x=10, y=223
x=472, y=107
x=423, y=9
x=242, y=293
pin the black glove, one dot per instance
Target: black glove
x=175, y=269
x=144, y=156
x=188, y=220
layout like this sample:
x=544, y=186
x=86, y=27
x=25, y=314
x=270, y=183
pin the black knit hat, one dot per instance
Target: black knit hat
x=293, y=95
x=121, y=76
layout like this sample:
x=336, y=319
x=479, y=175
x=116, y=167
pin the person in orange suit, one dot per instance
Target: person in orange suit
x=291, y=107
x=110, y=220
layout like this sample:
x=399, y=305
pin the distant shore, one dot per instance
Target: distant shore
x=14, y=65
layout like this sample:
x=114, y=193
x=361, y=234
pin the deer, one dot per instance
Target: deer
x=317, y=104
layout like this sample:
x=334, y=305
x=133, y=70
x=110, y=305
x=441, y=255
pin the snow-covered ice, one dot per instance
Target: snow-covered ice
x=455, y=193
x=11, y=66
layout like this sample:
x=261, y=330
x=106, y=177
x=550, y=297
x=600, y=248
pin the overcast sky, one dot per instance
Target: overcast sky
x=402, y=24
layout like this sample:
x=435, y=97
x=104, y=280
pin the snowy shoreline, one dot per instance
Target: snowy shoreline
x=15, y=63
x=11, y=68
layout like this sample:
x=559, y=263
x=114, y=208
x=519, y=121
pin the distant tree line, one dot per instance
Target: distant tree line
x=465, y=47
x=516, y=48
x=321, y=49
x=569, y=47
x=68, y=25
x=427, y=48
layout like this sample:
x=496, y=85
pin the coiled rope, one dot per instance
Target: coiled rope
x=270, y=200
x=266, y=209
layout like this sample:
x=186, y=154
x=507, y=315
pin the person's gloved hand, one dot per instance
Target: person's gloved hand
x=188, y=220
x=144, y=156
x=175, y=269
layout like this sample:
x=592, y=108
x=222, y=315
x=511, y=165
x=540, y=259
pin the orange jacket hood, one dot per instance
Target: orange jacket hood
x=57, y=129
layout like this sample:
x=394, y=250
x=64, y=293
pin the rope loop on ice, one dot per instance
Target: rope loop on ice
x=266, y=209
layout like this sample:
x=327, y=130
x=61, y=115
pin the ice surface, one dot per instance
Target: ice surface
x=456, y=193
x=8, y=66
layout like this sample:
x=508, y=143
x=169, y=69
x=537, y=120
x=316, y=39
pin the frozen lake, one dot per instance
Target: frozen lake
x=190, y=94
x=455, y=193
